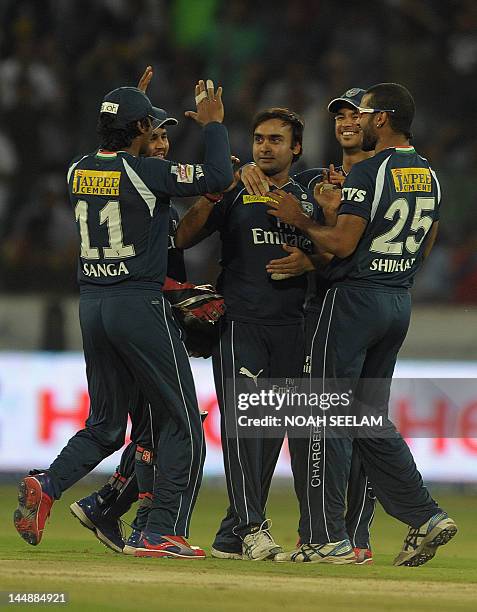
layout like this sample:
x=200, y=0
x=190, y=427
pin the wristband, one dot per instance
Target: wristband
x=214, y=197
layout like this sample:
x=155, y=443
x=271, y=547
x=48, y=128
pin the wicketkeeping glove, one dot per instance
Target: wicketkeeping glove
x=197, y=308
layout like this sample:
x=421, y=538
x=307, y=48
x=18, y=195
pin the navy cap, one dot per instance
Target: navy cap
x=352, y=96
x=126, y=104
x=161, y=118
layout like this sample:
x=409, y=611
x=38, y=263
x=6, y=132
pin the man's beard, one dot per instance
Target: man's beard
x=369, y=141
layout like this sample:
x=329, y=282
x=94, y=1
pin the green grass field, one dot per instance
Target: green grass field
x=70, y=559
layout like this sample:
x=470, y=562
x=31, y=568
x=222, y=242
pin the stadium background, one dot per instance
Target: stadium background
x=58, y=58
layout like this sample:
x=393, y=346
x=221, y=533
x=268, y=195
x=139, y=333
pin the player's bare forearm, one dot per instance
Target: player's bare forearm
x=191, y=229
x=321, y=259
x=431, y=239
x=340, y=240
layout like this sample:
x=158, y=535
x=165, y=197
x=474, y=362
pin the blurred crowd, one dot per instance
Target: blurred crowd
x=58, y=58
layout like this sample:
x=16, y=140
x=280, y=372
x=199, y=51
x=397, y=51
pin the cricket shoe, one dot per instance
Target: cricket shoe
x=226, y=551
x=364, y=556
x=259, y=545
x=90, y=514
x=337, y=553
x=132, y=542
x=166, y=547
x=421, y=543
x=35, y=498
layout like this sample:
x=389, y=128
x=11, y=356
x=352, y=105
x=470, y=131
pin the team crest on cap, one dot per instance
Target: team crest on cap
x=110, y=107
x=352, y=92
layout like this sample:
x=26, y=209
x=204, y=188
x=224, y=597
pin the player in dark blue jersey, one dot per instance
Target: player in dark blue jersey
x=100, y=512
x=131, y=342
x=387, y=223
x=348, y=133
x=263, y=316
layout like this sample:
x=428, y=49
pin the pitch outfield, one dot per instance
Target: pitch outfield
x=70, y=559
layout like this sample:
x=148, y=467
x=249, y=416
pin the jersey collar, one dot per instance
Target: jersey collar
x=103, y=154
x=409, y=149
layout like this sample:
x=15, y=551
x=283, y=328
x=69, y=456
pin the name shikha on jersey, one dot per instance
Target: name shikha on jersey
x=392, y=265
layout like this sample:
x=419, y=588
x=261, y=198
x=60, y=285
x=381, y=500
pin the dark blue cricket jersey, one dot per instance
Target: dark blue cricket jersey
x=398, y=194
x=175, y=257
x=318, y=283
x=309, y=178
x=122, y=208
x=250, y=239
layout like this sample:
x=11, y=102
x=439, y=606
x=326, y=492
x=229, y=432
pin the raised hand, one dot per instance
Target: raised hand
x=145, y=79
x=336, y=177
x=209, y=104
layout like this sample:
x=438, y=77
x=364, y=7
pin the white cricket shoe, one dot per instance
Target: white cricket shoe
x=338, y=553
x=421, y=543
x=259, y=545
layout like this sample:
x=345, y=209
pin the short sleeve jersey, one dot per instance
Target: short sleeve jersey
x=250, y=239
x=122, y=207
x=399, y=196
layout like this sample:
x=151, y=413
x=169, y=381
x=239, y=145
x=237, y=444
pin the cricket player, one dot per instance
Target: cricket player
x=360, y=496
x=101, y=511
x=387, y=223
x=263, y=315
x=131, y=341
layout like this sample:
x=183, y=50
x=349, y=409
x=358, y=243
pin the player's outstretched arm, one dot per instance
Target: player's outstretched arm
x=340, y=240
x=192, y=227
x=215, y=174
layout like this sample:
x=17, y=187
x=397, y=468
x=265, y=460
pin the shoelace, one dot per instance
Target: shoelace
x=412, y=538
x=263, y=529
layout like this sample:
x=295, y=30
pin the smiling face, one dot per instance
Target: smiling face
x=272, y=146
x=347, y=129
x=159, y=143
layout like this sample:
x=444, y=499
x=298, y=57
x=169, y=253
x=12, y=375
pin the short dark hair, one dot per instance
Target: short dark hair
x=397, y=97
x=115, y=139
x=287, y=116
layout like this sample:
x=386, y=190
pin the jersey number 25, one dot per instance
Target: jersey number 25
x=386, y=244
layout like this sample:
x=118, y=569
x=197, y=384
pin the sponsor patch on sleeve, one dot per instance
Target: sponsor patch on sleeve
x=352, y=194
x=411, y=179
x=184, y=173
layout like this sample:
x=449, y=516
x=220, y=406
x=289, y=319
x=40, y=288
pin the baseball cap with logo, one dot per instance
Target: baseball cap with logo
x=126, y=104
x=352, y=96
x=161, y=118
